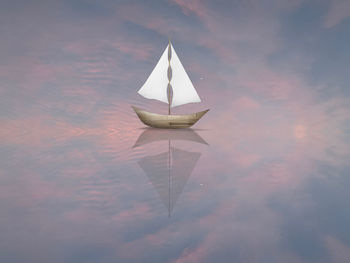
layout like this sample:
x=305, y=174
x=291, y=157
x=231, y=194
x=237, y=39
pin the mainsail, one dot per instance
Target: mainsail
x=156, y=85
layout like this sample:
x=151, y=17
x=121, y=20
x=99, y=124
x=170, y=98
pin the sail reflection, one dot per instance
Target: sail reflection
x=169, y=171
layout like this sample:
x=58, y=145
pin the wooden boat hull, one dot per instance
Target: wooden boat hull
x=168, y=121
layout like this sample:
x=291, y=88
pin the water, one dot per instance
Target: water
x=236, y=186
x=262, y=177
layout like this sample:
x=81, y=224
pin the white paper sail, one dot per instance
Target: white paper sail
x=183, y=90
x=155, y=86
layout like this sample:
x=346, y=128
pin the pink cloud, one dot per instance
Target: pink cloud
x=140, y=51
x=339, y=10
x=246, y=103
x=196, y=6
x=29, y=73
x=339, y=251
x=268, y=83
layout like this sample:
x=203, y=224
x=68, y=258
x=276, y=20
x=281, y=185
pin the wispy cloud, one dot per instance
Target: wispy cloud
x=339, y=10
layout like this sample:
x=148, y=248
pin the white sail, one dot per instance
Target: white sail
x=183, y=90
x=155, y=86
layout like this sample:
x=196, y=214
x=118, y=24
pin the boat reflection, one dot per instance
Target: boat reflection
x=169, y=171
x=153, y=135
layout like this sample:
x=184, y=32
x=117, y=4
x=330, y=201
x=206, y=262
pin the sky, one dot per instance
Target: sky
x=274, y=165
x=76, y=66
x=269, y=49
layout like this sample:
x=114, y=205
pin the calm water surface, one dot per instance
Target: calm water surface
x=264, y=176
x=235, y=187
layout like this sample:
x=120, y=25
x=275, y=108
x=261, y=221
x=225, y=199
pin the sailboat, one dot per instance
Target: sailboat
x=169, y=83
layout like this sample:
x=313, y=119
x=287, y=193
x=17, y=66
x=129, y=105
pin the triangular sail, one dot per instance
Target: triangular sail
x=155, y=86
x=183, y=90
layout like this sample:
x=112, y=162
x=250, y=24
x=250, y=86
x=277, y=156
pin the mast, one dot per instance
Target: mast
x=169, y=176
x=169, y=76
